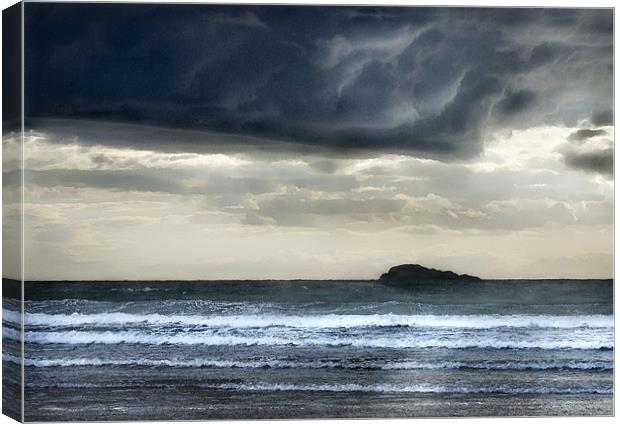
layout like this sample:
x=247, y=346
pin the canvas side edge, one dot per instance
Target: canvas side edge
x=12, y=213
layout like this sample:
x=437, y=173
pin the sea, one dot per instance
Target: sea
x=200, y=350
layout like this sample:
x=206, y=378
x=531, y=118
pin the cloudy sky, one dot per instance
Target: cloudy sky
x=223, y=142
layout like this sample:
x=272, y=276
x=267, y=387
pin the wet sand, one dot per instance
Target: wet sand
x=198, y=404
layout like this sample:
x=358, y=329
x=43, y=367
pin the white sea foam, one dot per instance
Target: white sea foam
x=455, y=341
x=315, y=321
x=11, y=334
x=403, y=388
x=368, y=388
x=14, y=317
x=311, y=364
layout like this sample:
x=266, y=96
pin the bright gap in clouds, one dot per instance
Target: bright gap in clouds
x=520, y=210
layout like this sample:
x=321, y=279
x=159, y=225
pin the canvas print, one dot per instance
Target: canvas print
x=260, y=212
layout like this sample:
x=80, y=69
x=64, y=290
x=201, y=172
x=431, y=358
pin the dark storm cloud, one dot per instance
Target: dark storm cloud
x=605, y=117
x=600, y=161
x=11, y=68
x=584, y=134
x=425, y=81
x=514, y=103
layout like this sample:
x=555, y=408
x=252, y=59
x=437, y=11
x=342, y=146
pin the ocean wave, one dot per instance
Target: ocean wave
x=12, y=317
x=405, y=388
x=458, y=341
x=314, y=364
x=11, y=334
x=352, y=387
x=315, y=321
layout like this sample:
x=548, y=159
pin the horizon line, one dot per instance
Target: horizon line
x=295, y=279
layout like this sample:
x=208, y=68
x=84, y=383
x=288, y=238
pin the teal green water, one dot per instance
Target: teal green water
x=185, y=350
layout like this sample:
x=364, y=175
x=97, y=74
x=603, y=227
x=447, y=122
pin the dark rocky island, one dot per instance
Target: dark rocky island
x=411, y=273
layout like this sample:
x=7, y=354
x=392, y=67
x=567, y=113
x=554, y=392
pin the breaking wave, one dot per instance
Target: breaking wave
x=456, y=341
x=315, y=321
